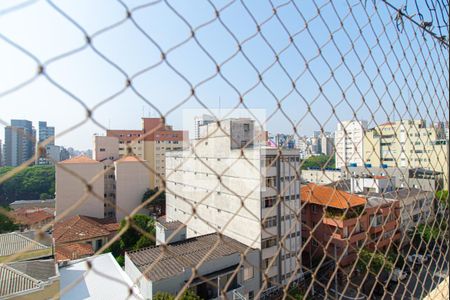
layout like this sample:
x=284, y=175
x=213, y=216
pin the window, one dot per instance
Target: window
x=243, y=143
x=251, y=295
x=269, y=242
x=269, y=201
x=248, y=273
x=246, y=127
x=270, y=222
x=314, y=209
x=269, y=261
x=102, y=150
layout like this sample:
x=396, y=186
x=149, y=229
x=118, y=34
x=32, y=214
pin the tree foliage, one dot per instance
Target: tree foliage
x=29, y=184
x=6, y=224
x=132, y=239
x=374, y=261
x=442, y=196
x=157, y=205
x=320, y=161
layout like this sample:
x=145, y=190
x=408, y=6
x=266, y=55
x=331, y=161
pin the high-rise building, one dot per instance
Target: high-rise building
x=46, y=132
x=200, y=121
x=243, y=202
x=19, y=142
x=349, y=143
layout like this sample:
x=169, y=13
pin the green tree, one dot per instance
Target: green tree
x=132, y=239
x=158, y=204
x=374, y=261
x=442, y=197
x=28, y=184
x=6, y=223
x=321, y=162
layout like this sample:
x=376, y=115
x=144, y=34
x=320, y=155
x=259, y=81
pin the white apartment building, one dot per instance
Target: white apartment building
x=349, y=143
x=226, y=184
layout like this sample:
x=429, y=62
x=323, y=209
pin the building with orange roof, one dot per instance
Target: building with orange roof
x=33, y=218
x=73, y=176
x=339, y=223
x=73, y=251
x=85, y=230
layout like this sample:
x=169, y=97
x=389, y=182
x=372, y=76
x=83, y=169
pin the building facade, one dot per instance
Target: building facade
x=407, y=144
x=261, y=180
x=349, y=143
x=72, y=197
x=19, y=142
x=150, y=144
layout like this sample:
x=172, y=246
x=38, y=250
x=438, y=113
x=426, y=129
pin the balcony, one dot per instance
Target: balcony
x=342, y=218
x=341, y=223
x=386, y=227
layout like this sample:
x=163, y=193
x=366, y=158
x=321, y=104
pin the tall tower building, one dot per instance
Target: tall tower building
x=19, y=142
x=349, y=143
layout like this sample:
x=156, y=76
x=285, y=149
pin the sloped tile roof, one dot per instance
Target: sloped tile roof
x=73, y=251
x=14, y=242
x=31, y=216
x=183, y=255
x=79, y=228
x=13, y=281
x=82, y=159
x=26, y=276
x=329, y=196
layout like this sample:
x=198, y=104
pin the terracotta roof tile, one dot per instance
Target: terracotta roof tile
x=129, y=158
x=79, y=160
x=329, y=196
x=73, y=251
x=79, y=228
x=31, y=216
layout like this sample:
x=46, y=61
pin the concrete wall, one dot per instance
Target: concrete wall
x=132, y=180
x=70, y=189
x=322, y=176
x=106, y=147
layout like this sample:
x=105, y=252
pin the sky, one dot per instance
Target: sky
x=328, y=89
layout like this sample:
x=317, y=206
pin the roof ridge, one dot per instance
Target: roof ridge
x=31, y=240
x=18, y=272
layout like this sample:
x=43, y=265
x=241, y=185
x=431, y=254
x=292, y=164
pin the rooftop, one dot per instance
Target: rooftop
x=129, y=158
x=93, y=284
x=15, y=242
x=82, y=159
x=170, y=225
x=79, y=228
x=27, y=276
x=73, y=251
x=183, y=255
x=329, y=196
x=30, y=216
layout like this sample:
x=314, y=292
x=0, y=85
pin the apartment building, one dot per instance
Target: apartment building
x=72, y=198
x=201, y=120
x=132, y=179
x=406, y=144
x=20, y=140
x=150, y=144
x=349, y=143
x=338, y=223
x=240, y=201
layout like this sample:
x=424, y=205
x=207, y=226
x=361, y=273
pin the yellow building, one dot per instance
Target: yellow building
x=406, y=144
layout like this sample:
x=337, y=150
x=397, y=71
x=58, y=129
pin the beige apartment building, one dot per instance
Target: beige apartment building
x=406, y=144
x=132, y=179
x=243, y=203
x=72, y=198
x=150, y=144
